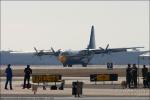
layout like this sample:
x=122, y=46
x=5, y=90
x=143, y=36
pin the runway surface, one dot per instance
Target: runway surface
x=73, y=98
x=75, y=71
x=70, y=74
x=61, y=66
x=89, y=89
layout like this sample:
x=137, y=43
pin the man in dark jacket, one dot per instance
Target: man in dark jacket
x=28, y=72
x=144, y=75
x=128, y=75
x=8, y=73
x=134, y=73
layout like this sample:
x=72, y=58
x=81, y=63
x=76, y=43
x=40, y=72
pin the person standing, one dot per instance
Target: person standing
x=28, y=72
x=134, y=73
x=128, y=75
x=144, y=75
x=78, y=89
x=75, y=89
x=8, y=73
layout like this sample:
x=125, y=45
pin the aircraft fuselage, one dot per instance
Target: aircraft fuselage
x=69, y=58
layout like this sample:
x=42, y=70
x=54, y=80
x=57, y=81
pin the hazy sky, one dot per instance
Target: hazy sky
x=67, y=24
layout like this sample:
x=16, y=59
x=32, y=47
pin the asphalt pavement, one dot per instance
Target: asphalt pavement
x=73, y=98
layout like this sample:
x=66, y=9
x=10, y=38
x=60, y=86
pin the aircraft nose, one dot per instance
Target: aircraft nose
x=62, y=59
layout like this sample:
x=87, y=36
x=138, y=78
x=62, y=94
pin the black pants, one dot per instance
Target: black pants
x=135, y=82
x=148, y=83
x=8, y=79
x=128, y=80
x=145, y=83
x=26, y=78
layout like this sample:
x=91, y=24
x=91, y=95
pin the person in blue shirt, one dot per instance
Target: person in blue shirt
x=8, y=73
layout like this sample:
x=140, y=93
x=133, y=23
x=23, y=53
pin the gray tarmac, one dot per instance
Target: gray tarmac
x=61, y=67
x=89, y=89
x=75, y=71
x=73, y=98
x=101, y=91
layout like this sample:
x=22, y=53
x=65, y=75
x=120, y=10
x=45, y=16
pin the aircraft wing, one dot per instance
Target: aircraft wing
x=43, y=52
x=113, y=50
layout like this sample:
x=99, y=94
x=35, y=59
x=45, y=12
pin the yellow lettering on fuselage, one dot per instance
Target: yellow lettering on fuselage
x=62, y=59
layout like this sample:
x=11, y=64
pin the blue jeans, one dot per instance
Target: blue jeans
x=8, y=79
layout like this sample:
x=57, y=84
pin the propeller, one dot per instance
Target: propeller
x=35, y=49
x=105, y=48
x=38, y=52
x=56, y=53
x=101, y=48
x=53, y=50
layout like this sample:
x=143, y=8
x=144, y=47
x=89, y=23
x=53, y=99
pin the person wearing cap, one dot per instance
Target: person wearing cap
x=28, y=72
x=9, y=75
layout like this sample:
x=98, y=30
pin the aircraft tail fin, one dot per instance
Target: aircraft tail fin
x=92, y=40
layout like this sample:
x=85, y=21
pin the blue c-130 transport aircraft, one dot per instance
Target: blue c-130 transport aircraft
x=83, y=57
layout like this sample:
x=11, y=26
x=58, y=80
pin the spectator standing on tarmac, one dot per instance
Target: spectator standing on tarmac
x=128, y=75
x=144, y=75
x=8, y=73
x=134, y=75
x=75, y=89
x=28, y=72
x=78, y=89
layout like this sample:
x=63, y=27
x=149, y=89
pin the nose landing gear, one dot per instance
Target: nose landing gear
x=65, y=65
x=84, y=65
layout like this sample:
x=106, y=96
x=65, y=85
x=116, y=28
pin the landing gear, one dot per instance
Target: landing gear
x=69, y=65
x=64, y=65
x=84, y=65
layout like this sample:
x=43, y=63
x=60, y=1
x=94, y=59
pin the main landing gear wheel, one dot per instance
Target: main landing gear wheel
x=84, y=65
x=69, y=65
x=64, y=65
